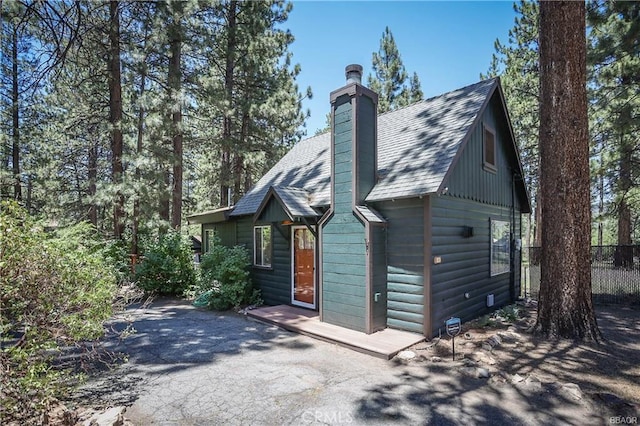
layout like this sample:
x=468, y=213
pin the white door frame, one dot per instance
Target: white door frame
x=293, y=271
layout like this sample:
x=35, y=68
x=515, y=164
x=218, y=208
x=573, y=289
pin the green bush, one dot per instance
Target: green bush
x=167, y=265
x=56, y=290
x=224, y=274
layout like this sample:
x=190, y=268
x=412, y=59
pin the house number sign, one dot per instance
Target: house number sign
x=453, y=327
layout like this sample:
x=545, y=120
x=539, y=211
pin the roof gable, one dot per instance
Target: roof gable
x=294, y=202
x=417, y=144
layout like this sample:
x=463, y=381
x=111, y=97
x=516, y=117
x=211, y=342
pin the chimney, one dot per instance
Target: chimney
x=354, y=73
x=354, y=134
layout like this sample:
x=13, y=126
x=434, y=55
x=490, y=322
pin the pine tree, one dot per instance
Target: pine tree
x=615, y=67
x=115, y=116
x=250, y=84
x=415, y=89
x=565, y=307
x=516, y=63
x=389, y=77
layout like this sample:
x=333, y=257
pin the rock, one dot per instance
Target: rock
x=468, y=371
x=59, y=415
x=482, y=373
x=572, y=390
x=509, y=336
x=113, y=416
x=517, y=378
x=468, y=362
x=469, y=345
x=476, y=372
x=491, y=343
x=533, y=383
x=436, y=359
x=483, y=358
x=406, y=355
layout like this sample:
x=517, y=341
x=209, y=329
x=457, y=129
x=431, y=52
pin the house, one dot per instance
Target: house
x=397, y=220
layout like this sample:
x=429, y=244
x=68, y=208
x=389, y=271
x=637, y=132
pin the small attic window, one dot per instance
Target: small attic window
x=489, y=150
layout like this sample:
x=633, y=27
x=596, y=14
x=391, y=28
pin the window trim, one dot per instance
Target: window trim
x=209, y=239
x=262, y=241
x=489, y=166
x=492, y=270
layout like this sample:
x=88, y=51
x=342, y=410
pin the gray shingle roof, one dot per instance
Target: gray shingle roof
x=370, y=214
x=296, y=202
x=416, y=147
x=306, y=166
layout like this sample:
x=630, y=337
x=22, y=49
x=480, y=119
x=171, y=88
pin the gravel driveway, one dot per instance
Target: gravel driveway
x=188, y=366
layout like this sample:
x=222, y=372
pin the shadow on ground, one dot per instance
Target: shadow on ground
x=169, y=336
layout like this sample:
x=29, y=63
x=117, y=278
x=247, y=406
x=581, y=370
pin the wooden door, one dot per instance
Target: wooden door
x=303, y=292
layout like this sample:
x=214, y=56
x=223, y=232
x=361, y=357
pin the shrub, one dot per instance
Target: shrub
x=167, y=265
x=56, y=290
x=225, y=275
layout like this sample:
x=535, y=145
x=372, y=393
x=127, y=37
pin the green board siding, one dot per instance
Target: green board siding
x=366, y=147
x=469, y=180
x=405, y=263
x=465, y=262
x=273, y=212
x=343, y=266
x=343, y=237
x=225, y=231
x=275, y=282
x=379, y=277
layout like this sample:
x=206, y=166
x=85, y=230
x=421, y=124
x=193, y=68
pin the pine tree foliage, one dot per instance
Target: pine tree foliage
x=179, y=113
x=615, y=109
x=389, y=77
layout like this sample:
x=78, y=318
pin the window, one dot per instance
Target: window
x=262, y=246
x=209, y=238
x=500, y=247
x=489, y=150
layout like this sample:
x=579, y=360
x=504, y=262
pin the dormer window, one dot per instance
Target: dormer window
x=489, y=162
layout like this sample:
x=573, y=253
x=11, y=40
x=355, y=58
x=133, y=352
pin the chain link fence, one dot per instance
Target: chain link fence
x=615, y=274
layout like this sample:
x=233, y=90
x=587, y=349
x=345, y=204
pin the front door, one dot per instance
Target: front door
x=303, y=288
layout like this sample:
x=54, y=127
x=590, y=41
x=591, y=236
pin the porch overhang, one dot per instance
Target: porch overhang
x=210, y=216
x=294, y=202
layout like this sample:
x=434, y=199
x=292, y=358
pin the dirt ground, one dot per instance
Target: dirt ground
x=607, y=374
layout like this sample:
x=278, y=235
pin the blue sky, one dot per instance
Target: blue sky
x=447, y=43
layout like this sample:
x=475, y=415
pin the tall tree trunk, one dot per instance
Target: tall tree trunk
x=15, y=112
x=238, y=161
x=164, y=199
x=92, y=175
x=226, y=163
x=565, y=306
x=600, y=207
x=175, y=85
x=135, y=232
x=115, y=117
x=624, y=253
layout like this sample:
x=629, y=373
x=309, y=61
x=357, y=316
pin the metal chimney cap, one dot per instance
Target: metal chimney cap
x=353, y=73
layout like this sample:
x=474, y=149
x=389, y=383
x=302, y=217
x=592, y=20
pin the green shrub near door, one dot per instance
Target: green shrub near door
x=224, y=277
